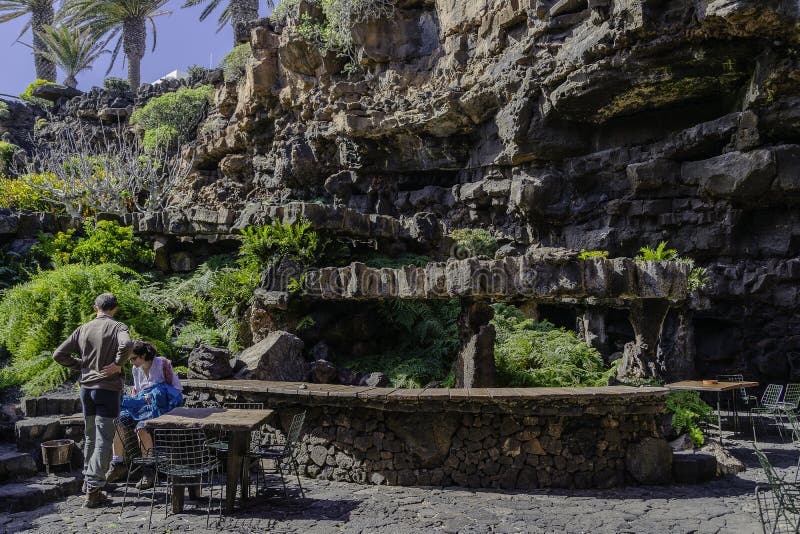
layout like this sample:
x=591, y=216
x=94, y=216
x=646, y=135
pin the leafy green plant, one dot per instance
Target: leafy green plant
x=7, y=151
x=4, y=112
x=234, y=63
x=25, y=193
x=586, y=254
x=196, y=71
x=531, y=354
x=474, y=242
x=34, y=100
x=105, y=242
x=171, y=117
x=193, y=334
x=35, y=317
x=698, y=278
x=263, y=244
x=421, y=343
x=117, y=84
x=688, y=409
x=660, y=253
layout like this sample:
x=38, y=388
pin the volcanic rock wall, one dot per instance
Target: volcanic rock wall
x=599, y=124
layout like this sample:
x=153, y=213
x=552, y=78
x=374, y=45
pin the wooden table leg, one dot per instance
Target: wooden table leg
x=237, y=449
x=178, y=493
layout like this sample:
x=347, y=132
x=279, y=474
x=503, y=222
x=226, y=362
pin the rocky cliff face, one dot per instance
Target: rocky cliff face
x=585, y=124
x=599, y=124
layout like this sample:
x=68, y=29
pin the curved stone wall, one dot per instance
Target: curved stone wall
x=482, y=438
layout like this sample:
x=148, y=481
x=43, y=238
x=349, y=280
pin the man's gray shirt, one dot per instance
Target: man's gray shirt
x=100, y=342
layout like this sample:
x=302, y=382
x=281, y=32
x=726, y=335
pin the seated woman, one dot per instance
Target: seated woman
x=156, y=391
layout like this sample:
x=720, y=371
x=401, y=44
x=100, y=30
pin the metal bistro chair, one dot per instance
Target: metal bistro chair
x=744, y=397
x=769, y=407
x=791, y=399
x=794, y=424
x=778, y=502
x=185, y=460
x=133, y=459
x=283, y=455
x=220, y=442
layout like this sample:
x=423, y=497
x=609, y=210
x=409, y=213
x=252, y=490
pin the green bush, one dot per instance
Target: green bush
x=117, y=84
x=171, y=117
x=660, y=253
x=35, y=317
x=4, y=113
x=25, y=193
x=421, y=343
x=36, y=101
x=105, y=242
x=531, y=354
x=262, y=245
x=688, y=409
x=234, y=63
x=474, y=242
x=586, y=254
x=7, y=151
x=193, y=334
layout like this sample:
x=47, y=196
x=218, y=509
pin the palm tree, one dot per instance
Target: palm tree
x=42, y=13
x=110, y=18
x=72, y=49
x=236, y=11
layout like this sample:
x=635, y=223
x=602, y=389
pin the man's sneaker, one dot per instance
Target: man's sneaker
x=116, y=472
x=146, y=482
x=96, y=498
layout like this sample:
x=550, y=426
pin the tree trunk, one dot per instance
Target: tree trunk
x=242, y=11
x=40, y=16
x=134, y=34
x=70, y=81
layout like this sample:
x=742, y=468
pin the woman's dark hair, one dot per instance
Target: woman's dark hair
x=145, y=349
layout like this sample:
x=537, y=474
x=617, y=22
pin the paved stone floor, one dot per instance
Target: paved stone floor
x=724, y=505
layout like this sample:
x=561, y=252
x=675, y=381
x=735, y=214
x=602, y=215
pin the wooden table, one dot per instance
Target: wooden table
x=718, y=388
x=239, y=423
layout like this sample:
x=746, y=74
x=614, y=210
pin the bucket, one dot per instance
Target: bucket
x=57, y=452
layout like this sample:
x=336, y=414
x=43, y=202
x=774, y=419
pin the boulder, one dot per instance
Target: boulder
x=348, y=377
x=210, y=363
x=737, y=175
x=323, y=372
x=726, y=463
x=649, y=461
x=277, y=357
x=54, y=92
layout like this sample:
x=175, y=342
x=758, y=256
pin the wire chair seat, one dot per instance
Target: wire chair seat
x=186, y=471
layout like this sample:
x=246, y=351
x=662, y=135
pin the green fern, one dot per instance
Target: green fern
x=688, y=409
x=586, y=254
x=660, y=253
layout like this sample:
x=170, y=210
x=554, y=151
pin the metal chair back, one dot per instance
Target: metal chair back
x=791, y=397
x=130, y=442
x=771, y=395
x=182, y=452
x=294, y=430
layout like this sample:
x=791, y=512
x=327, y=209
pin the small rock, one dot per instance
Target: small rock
x=323, y=372
x=375, y=380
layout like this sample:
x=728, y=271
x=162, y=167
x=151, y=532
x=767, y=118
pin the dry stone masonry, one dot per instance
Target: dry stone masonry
x=490, y=438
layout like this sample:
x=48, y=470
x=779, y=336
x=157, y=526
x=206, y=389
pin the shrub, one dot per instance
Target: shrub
x=7, y=151
x=25, y=192
x=234, y=63
x=35, y=317
x=586, y=254
x=4, y=112
x=688, y=409
x=172, y=117
x=334, y=30
x=193, y=334
x=422, y=340
x=698, y=278
x=117, y=84
x=196, y=71
x=660, y=253
x=473, y=242
x=36, y=101
x=105, y=242
x=263, y=244
x=531, y=354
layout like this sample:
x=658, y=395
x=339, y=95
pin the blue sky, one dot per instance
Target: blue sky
x=182, y=41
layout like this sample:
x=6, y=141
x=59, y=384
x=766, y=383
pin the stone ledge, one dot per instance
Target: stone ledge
x=593, y=281
x=566, y=402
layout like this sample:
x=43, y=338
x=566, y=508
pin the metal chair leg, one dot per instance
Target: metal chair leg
x=152, y=500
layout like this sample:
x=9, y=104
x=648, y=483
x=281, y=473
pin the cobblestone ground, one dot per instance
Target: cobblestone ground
x=724, y=505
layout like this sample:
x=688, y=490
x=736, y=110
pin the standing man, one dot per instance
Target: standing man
x=104, y=346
